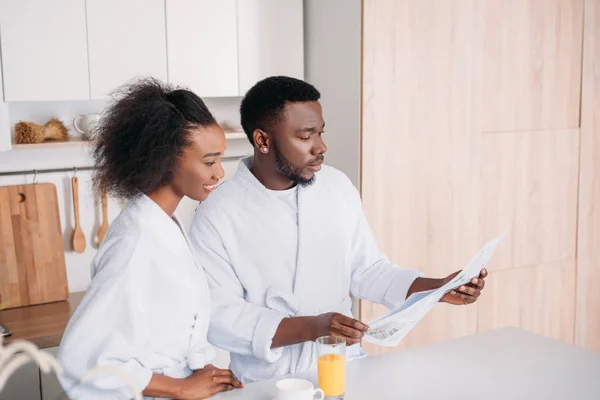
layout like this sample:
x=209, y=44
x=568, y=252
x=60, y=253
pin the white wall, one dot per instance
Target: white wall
x=332, y=62
x=332, y=46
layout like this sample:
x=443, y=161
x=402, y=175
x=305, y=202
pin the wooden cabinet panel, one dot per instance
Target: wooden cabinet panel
x=530, y=185
x=438, y=77
x=538, y=299
x=419, y=171
x=532, y=66
x=587, y=323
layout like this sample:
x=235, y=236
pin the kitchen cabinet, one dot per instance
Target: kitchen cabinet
x=202, y=46
x=44, y=50
x=5, y=142
x=29, y=382
x=270, y=40
x=126, y=38
x=77, y=49
x=24, y=383
x=49, y=384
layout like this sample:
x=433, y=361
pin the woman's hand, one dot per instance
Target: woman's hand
x=207, y=382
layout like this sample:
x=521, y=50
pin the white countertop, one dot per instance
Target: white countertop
x=502, y=364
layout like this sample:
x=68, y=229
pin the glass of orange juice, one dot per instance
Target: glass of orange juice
x=331, y=366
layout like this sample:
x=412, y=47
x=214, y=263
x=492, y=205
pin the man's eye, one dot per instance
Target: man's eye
x=305, y=138
x=209, y=164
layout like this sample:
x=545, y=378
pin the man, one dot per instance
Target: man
x=285, y=241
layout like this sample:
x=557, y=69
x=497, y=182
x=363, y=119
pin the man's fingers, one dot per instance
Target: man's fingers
x=483, y=273
x=351, y=341
x=478, y=283
x=465, y=298
x=352, y=323
x=469, y=290
x=348, y=332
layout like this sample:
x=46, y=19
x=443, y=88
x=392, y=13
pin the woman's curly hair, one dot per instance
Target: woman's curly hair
x=141, y=135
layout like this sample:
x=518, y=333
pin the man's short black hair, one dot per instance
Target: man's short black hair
x=141, y=135
x=264, y=103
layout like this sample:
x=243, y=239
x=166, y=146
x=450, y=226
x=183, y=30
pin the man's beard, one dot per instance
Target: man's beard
x=286, y=168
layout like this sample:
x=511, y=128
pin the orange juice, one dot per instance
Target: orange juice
x=332, y=374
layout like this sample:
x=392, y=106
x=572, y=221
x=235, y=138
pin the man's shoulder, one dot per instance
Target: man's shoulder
x=226, y=196
x=334, y=177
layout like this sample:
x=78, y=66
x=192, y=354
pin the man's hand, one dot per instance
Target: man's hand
x=465, y=294
x=296, y=330
x=335, y=324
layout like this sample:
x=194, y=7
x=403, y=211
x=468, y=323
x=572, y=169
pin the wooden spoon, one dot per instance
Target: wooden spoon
x=104, y=226
x=78, y=237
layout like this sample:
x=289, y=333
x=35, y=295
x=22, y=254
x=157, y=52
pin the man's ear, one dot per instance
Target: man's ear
x=262, y=141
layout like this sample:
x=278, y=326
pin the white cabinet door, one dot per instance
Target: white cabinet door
x=24, y=383
x=5, y=141
x=270, y=40
x=51, y=389
x=126, y=39
x=202, y=46
x=44, y=50
x=5, y=138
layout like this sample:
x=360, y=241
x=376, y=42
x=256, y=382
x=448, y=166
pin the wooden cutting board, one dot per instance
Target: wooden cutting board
x=32, y=257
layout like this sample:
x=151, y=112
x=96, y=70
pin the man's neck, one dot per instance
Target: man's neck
x=266, y=173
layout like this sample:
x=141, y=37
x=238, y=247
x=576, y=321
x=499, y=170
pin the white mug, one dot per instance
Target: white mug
x=297, y=389
x=84, y=124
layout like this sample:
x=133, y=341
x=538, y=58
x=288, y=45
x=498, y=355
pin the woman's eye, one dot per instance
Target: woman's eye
x=209, y=164
x=305, y=138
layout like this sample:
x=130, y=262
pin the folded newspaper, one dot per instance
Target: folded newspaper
x=389, y=329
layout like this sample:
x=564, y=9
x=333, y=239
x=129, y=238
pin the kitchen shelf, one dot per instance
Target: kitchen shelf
x=78, y=142
x=75, y=142
x=235, y=135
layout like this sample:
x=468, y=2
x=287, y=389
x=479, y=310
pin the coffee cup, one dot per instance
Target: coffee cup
x=84, y=124
x=297, y=389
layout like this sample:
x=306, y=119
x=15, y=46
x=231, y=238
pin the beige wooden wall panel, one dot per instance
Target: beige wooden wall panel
x=538, y=299
x=434, y=187
x=525, y=88
x=587, y=332
x=530, y=184
x=417, y=145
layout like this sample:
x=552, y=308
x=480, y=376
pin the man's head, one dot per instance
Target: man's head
x=283, y=120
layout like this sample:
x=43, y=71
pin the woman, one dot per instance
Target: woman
x=147, y=308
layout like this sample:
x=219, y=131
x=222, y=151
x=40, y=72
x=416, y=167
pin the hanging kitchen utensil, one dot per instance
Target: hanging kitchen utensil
x=78, y=236
x=104, y=226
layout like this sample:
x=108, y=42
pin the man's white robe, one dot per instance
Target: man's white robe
x=265, y=264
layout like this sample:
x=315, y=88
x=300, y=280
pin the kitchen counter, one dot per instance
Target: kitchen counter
x=42, y=324
x=508, y=363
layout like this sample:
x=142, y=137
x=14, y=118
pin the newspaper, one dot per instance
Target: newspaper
x=389, y=329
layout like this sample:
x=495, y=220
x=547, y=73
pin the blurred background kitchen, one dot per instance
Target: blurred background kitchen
x=455, y=118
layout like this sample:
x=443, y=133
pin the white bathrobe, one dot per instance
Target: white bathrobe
x=266, y=261
x=146, y=310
